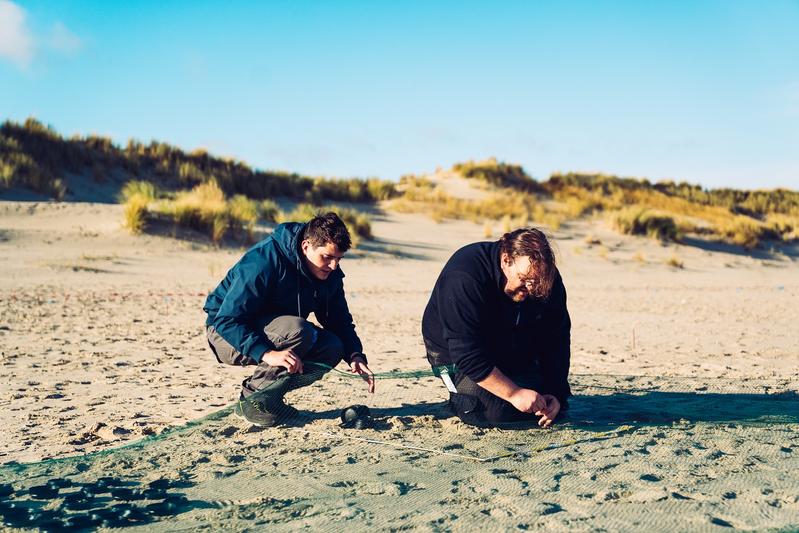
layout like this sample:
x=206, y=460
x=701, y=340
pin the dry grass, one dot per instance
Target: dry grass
x=506, y=224
x=136, y=197
x=675, y=261
x=420, y=195
x=641, y=221
x=135, y=213
x=36, y=156
x=579, y=202
x=142, y=188
x=498, y=174
x=591, y=240
x=203, y=208
x=358, y=224
x=268, y=210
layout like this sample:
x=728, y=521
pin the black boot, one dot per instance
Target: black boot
x=266, y=407
x=255, y=410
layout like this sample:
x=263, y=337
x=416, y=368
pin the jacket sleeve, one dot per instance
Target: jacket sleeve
x=244, y=298
x=337, y=319
x=460, y=300
x=556, y=358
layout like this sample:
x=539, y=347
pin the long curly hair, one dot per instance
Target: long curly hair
x=532, y=243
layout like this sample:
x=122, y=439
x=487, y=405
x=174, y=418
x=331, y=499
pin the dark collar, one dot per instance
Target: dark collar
x=496, y=269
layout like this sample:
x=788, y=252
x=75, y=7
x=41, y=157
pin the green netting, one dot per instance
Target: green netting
x=634, y=452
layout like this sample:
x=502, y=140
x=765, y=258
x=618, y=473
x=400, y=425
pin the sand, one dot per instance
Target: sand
x=101, y=344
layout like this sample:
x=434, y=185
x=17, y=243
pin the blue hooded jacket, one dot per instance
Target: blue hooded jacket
x=271, y=280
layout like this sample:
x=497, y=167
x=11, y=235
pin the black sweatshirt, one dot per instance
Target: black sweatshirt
x=476, y=326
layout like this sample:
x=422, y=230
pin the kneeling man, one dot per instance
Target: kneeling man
x=498, y=315
x=258, y=316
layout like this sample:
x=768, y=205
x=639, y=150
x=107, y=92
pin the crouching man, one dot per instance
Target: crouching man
x=257, y=316
x=497, y=319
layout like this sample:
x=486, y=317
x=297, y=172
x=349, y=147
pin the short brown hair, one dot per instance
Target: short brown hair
x=532, y=243
x=327, y=228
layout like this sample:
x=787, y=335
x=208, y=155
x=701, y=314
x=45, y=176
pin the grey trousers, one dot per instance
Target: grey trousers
x=307, y=341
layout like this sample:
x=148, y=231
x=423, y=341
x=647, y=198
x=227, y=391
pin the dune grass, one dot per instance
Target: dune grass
x=136, y=197
x=141, y=188
x=420, y=195
x=135, y=213
x=499, y=174
x=664, y=210
x=642, y=221
x=204, y=208
x=674, y=261
x=35, y=156
x=207, y=210
x=358, y=224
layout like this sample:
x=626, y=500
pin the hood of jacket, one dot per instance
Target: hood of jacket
x=288, y=236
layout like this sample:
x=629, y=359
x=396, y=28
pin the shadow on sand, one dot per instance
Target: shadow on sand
x=62, y=504
x=657, y=407
x=650, y=408
x=775, y=249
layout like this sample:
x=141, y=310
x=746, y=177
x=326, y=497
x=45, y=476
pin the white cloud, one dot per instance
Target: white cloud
x=16, y=41
x=20, y=46
x=64, y=41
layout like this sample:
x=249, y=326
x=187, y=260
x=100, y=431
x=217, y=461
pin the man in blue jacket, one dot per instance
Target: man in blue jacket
x=258, y=316
x=497, y=319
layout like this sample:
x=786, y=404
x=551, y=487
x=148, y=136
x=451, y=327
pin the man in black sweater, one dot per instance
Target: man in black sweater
x=498, y=315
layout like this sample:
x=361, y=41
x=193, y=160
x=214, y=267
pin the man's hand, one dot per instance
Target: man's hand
x=358, y=366
x=285, y=358
x=550, y=412
x=527, y=400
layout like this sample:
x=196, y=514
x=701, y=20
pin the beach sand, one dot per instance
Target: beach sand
x=102, y=343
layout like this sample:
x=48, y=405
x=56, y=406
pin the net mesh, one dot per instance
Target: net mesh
x=634, y=452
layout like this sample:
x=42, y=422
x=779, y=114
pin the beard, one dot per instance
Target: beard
x=518, y=296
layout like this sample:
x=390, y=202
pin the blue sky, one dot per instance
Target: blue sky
x=706, y=92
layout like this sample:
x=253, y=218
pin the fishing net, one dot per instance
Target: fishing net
x=633, y=453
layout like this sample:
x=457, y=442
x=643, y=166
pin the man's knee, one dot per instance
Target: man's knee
x=223, y=351
x=292, y=332
x=478, y=407
x=490, y=416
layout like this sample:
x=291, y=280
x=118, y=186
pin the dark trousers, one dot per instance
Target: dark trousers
x=308, y=342
x=476, y=406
